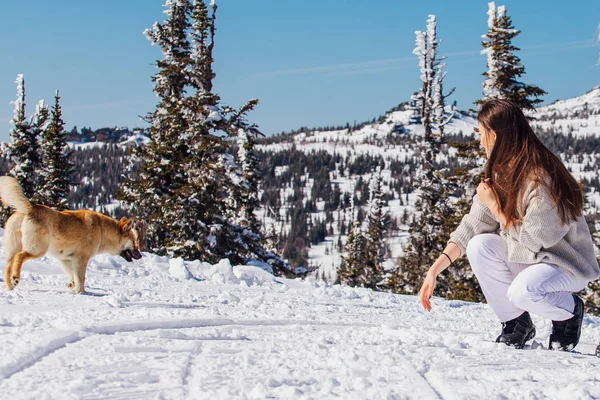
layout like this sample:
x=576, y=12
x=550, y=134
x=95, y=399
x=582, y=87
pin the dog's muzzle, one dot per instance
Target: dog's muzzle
x=130, y=255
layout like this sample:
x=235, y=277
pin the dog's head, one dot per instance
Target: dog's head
x=133, y=238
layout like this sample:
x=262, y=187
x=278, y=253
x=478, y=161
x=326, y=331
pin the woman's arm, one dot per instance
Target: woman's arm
x=453, y=251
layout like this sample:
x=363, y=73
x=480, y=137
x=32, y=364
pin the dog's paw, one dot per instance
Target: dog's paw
x=14, y=280
x=9, y=285
x=71, y=284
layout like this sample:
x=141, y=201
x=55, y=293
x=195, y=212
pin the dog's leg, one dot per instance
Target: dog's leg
x=17, y=264
x=68, y=267
x=35, y=239
x=8, y=274
x=13, y=245
x=79, y=268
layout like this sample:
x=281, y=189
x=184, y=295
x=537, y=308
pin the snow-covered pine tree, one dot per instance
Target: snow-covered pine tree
x=187, y=178
x=426, y=48
x=238, y=240
x=426, y=229
x=504, y=67
x=39, y=123
x=249, y=164
x=24, y=149
x=153, y=192
x=372, y=270
x=56, y=171
x=440, y=117
x=351, y=268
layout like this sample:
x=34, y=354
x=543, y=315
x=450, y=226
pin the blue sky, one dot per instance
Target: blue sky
x=315, y=63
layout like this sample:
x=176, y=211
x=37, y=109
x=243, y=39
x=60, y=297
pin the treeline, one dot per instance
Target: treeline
x=104, y=135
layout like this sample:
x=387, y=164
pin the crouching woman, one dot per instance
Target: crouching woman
x=525, y=236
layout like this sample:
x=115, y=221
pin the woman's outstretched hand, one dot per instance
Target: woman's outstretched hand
x=427, y=290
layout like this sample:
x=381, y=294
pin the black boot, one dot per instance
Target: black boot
x=517, y=331
x=565, y=334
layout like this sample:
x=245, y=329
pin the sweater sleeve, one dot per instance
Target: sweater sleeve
x=479, y=220
x=541, y=226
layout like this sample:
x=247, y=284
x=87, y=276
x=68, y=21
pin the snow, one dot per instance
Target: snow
x=579, y=116
x=491, y=15
x=163, y=328
x=136, y=139
x=19, y=103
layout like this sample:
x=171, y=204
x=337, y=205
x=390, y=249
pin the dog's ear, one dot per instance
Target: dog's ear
x=130, y=224
x=126, y=224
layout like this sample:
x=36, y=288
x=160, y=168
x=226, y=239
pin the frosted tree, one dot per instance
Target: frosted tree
x=375, y=240
x=440, y=117
x=426, y=47
x=427, y=236
x=187, y=182
x=154, y=192
x=350, y=270
x=24, y=150
x=57, y=169
x=504, y=68
x=39, y=123
x=249, y=201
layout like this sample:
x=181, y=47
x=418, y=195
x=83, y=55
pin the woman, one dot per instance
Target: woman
x=525, y=235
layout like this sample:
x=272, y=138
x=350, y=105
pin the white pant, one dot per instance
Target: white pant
x=512, y=288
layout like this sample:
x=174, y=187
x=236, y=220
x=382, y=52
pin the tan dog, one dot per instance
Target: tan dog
x=73, y=237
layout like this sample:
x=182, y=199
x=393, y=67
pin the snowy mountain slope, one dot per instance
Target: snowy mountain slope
x=371, y=138
x=165, y=329
x=579, y=116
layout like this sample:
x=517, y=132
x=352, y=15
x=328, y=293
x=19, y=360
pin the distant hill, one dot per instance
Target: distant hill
x=579, y=116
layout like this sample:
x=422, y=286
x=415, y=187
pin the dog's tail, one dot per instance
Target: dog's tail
x=12, y=195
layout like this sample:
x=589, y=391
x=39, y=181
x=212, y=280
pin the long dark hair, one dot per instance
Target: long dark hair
x=518, y=157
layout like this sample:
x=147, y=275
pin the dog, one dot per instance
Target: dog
x=72, y=237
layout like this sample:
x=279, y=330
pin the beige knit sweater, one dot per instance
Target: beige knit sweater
x=541, y=237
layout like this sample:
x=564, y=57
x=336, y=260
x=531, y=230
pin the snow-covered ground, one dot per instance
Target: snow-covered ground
x=579, y=116
x=165, y=329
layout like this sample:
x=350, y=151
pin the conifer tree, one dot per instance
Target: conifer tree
x=372, y=273
x=153, y=193
x=39, y=124
x=249, y=202
x=55, y=174
x=350, y=270
x=504, y=67
x=440, y=117
x=427, y=237
x=188, y=184
x=24, y=150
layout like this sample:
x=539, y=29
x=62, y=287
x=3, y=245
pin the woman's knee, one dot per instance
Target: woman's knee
x=482, y=244
x=523, y=293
